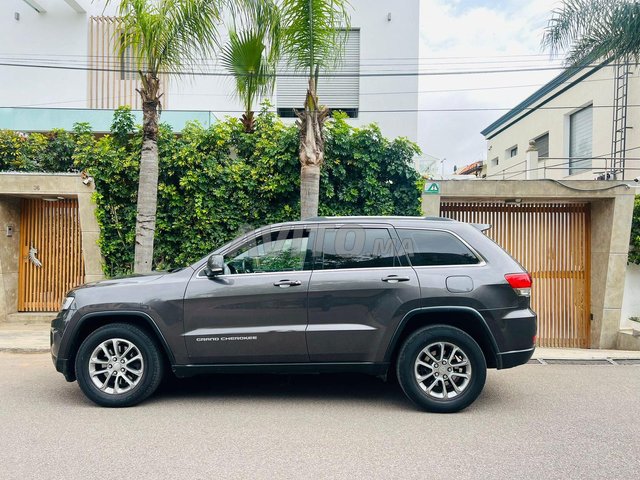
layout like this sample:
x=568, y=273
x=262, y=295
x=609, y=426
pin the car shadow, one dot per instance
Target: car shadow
x=310, y=387
x=358, y=390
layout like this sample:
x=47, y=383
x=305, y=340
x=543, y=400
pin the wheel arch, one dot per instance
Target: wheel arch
x=466, y=319
x=90, y=322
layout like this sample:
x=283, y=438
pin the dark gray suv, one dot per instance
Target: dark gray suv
x=432, y=300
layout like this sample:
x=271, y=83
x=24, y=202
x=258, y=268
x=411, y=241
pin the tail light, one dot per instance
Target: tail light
x=520, y=282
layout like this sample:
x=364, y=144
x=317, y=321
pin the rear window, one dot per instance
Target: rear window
x=435, y=247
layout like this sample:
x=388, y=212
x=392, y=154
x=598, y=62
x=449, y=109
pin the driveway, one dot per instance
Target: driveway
x=536, y=421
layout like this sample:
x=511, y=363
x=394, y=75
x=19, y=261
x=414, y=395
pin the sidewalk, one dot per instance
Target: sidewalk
x=24, y=338
x=34, y=338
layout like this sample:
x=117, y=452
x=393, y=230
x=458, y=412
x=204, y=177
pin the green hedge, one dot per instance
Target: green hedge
x=634, y=250
x=217, y=182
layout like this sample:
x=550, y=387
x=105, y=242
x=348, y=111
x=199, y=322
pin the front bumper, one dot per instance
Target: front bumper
x=58, y=326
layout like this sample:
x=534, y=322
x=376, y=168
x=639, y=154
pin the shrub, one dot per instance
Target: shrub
x=219, y=181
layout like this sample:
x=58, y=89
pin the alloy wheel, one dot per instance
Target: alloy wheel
x=116, y=366
x=442, y=370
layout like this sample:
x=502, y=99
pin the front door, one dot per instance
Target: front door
x=257, y=310
x=360, y=290
x=50, y=253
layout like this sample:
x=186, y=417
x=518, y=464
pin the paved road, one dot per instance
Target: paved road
x=547, y=422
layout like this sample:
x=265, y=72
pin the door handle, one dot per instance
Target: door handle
x=287, y=283
x=395, y=279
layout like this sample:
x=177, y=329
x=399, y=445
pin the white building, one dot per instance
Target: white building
x=47, y=45
x=583, y=124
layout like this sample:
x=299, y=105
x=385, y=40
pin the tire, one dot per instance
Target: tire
x=452, y=373
x=135, y=374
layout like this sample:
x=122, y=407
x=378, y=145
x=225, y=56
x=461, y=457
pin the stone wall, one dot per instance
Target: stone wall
x=13, y=187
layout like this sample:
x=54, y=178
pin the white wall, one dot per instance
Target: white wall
x=631, y=299
x=62, y=31
x=38, y=36
x=596, y=89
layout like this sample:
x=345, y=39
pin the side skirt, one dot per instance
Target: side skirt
x=183, y=371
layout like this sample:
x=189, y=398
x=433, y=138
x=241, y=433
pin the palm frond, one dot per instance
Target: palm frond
x=314, y=32
x=244, y=56
x=588, y=30
x=167, y=35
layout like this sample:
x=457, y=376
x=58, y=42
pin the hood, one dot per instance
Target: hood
x=134, y=279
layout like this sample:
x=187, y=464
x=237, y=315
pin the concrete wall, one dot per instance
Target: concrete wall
x=553, y=117
x=13, y=187
x=611, y=213
x=9, y=255
x=61, y=36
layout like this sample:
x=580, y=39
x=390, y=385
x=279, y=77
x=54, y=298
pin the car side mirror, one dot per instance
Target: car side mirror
x=215, y=266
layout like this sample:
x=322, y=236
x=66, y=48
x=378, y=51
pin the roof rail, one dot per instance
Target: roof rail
x=439, y=219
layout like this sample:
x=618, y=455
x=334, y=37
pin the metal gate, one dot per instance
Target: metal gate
x=51, y=253
x=552, y=241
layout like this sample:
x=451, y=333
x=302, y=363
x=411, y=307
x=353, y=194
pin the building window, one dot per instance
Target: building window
x=495, y=162
x=340, y=92
x=580, y=140
x=542, y=144
x=513, y=151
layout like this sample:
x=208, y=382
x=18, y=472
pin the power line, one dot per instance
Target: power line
x=557, y=166
x=229, y=94
x=303, y=75
x=407, y=110
x=117, y=60
x=362, y=58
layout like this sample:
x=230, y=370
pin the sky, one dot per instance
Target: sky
x=473, y=35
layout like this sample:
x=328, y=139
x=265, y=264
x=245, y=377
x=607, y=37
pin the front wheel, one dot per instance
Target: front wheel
x=441, y=369
x=118, y=365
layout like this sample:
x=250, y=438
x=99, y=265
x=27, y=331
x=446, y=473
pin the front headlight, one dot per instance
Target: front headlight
x=66, y=303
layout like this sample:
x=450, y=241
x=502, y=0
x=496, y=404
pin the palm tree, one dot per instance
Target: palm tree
x=595, y=29
x=252, y=51
x=313, y=39
x=161, y=36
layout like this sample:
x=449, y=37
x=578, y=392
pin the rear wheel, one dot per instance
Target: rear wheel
x=441, y=369
x=118, y=365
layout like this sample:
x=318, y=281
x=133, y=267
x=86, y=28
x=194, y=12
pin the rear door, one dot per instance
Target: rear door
x=359, y=291
x=257, y=310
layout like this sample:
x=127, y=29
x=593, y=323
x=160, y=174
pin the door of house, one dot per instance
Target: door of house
x=51, y=253
x=552, y=241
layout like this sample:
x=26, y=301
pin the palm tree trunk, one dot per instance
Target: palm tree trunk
x=148, y=183
x=310, y=123
x=309, y=191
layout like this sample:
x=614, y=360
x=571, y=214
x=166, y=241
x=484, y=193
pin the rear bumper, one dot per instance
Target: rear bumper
x=514, y=358
x=516, y=336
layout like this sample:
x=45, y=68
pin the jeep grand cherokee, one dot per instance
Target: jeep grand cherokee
x=434, y=301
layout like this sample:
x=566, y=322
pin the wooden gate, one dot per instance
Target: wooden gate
x=552, y=241
x=51, y=254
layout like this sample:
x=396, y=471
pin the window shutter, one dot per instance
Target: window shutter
x=542, y=144
x=580, y=140
x=339, y=92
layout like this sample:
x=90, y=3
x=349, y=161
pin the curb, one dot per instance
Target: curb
x=24, y=350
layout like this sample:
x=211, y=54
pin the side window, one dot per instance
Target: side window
x=432, y=247
x=275, y=251
x=356, y=247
